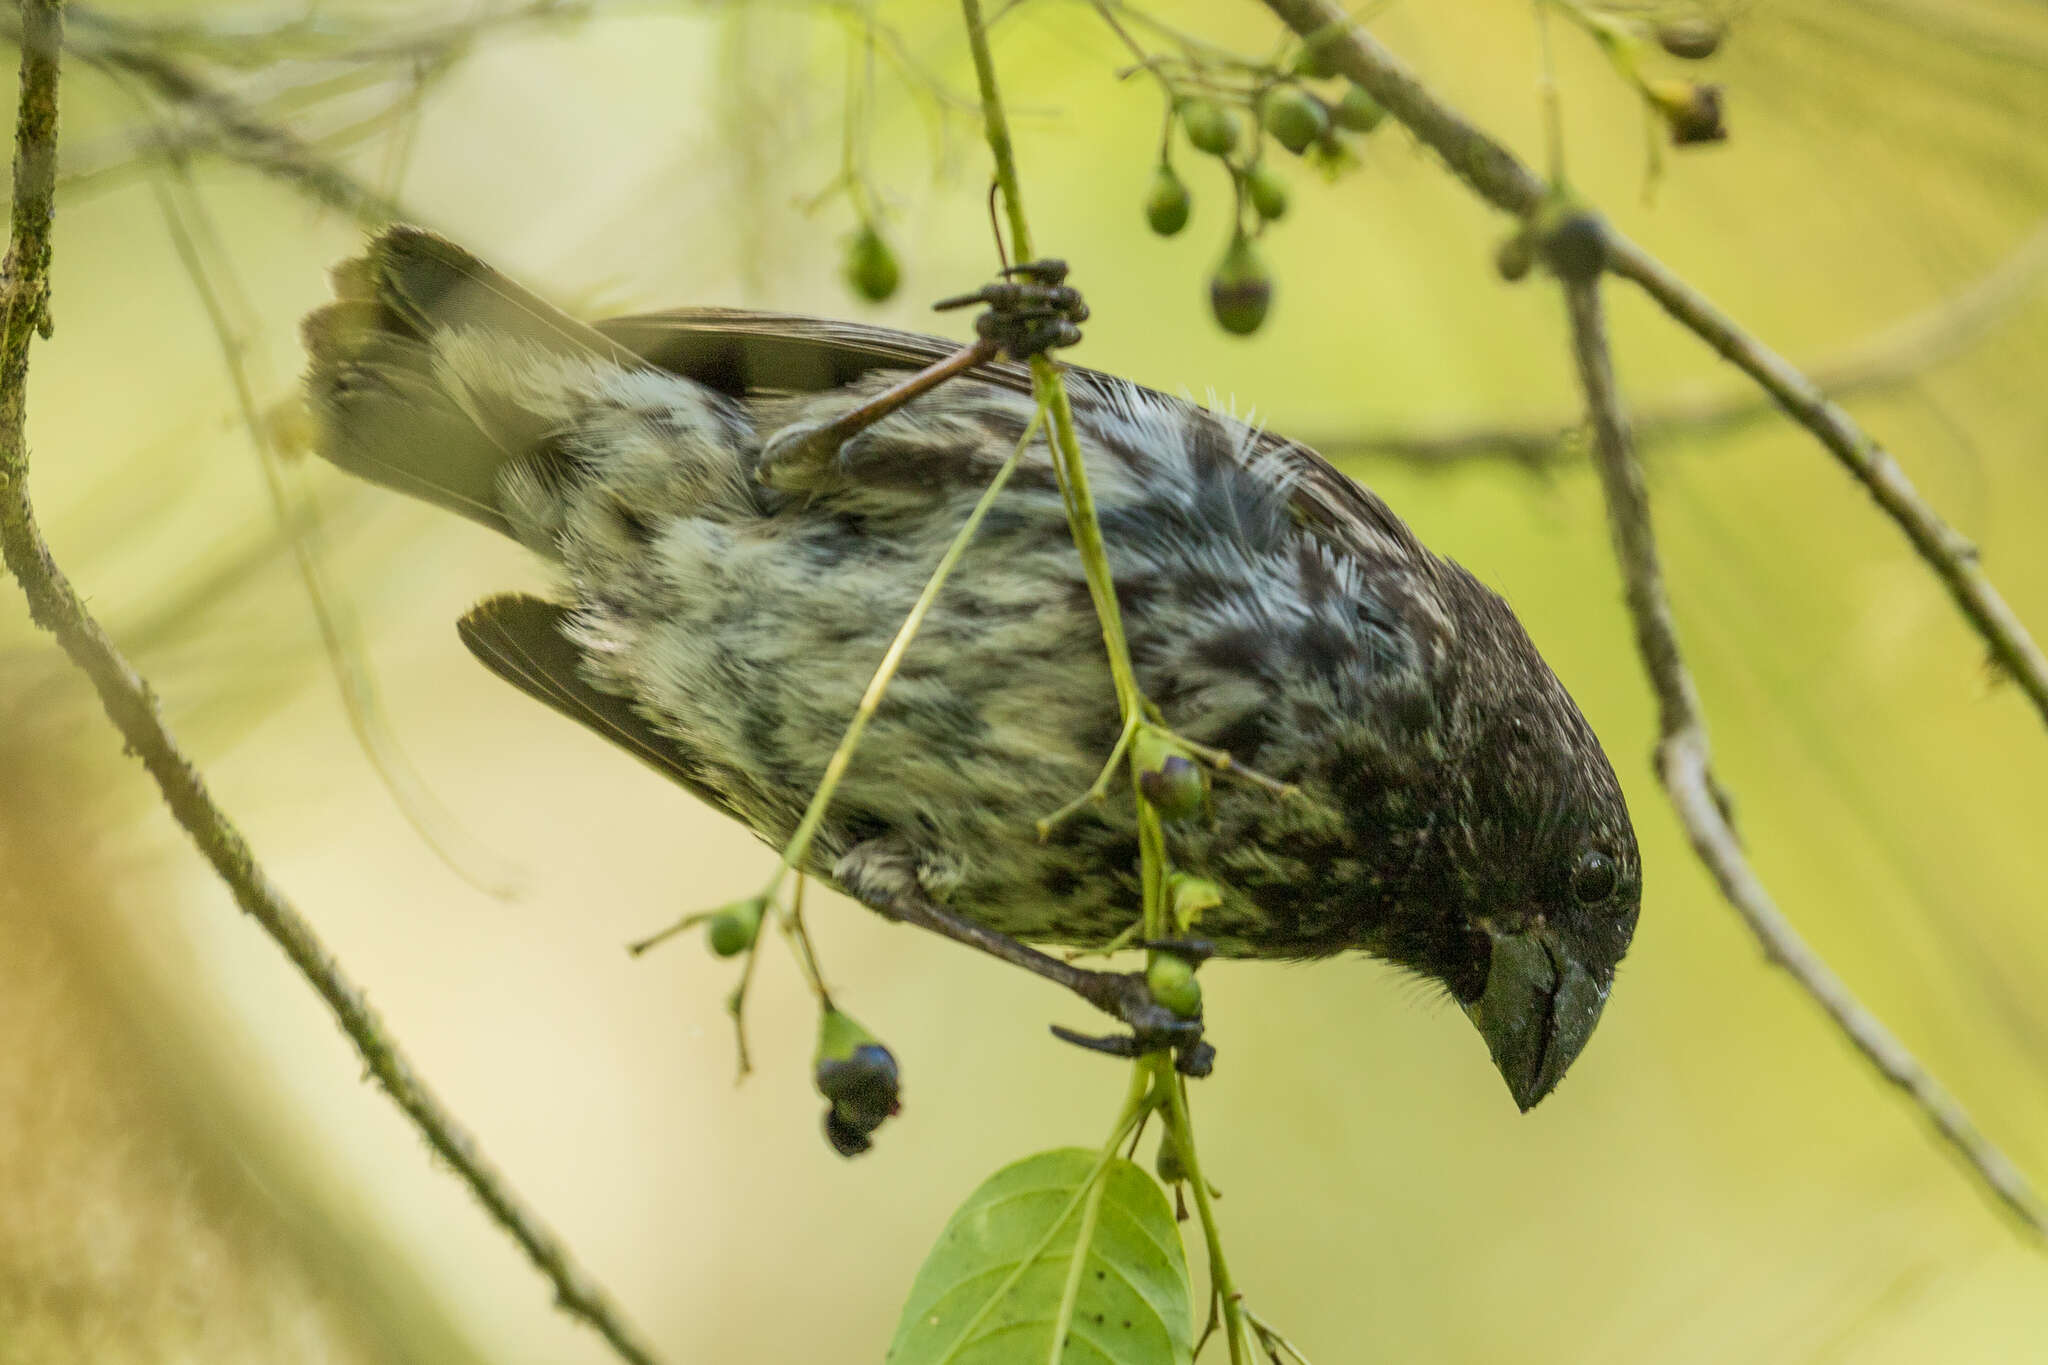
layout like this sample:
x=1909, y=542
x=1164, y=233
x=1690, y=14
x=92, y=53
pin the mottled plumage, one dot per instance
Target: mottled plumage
x=1458, y=816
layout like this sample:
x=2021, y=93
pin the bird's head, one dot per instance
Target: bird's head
x=1526, y=884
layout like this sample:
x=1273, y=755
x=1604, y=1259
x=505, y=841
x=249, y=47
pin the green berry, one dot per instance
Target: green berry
x=1267, y=191
x=1317, y=59
x=1171, y=979
x=1211, y=127
x=1513, y=257
x=1358, y=111
x=1240, y=291
x=871, y=270
x=1692, y=39
x=1167, y=776
x=1295, y=118
x=733, y=930
x=1166, y=207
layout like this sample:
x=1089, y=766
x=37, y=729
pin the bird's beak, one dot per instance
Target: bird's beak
x=1538, y=1010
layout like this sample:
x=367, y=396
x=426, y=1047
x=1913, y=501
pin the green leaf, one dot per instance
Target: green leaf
x=989, y=1292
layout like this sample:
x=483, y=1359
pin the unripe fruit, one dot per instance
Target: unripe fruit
x=1267, y=191
x=871, y=270
x=1166, y=207
x=733, y=930
x=1318, y=57
x=1358, y=111
x=1241, y=291
x=1172, y=982
x=1294, y=117
x=1692, y=39
x=1211, y=128
x=1513, y=257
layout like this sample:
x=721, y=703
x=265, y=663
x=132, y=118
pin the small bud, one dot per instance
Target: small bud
x=734, y=929
x=1358, y=111
x=1166, y=207
x=1240, y=291
x=1267, y=191
x=1171, y=979
x=1189, y=896
x=1513, y=257
x=1295, y=118
x=1693, y=39
x=1211, y=128
x=1573, y=242
x=871, y=270
x=1691, y=111
x=859, y=1076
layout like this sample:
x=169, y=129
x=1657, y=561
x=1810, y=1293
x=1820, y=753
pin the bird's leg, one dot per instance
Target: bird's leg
x=1021, y=318
x=883, y=876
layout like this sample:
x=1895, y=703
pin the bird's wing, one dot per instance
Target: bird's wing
x=741, y=352
x=521, y=639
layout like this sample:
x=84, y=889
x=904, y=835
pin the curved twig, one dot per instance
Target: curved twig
x=131, y=704
x=1683, y=764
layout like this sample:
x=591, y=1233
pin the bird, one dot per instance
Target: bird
x=740, y=507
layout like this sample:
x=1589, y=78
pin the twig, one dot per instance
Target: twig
x=1897, y=355
x=131, y=704
x=1683, y=764
x=1505, y=182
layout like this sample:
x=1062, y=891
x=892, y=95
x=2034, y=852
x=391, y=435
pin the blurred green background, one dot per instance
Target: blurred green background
x=190, y=1165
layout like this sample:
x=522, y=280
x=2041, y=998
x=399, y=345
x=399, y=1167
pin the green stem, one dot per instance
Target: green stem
x=1182, y=1129
x=1086, y=529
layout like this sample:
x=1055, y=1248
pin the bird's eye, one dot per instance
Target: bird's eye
x=1594, y=879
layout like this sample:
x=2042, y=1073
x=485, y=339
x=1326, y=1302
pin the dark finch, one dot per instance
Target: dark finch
x=729, y=597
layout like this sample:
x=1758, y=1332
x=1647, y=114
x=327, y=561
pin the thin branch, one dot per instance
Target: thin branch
x=131, y=704
x=1895, y=356
x=1501, y=179
x=1683, y=764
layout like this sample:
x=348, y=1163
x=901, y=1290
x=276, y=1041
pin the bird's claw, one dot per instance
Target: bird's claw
x=1032, y=310
x=1154, y=1027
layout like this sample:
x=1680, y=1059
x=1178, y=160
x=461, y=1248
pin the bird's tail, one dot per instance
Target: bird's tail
x=433, y=374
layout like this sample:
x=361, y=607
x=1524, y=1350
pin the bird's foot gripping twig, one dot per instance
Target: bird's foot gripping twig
x=882, y=875
x=1031, y=310
x=1027, y=313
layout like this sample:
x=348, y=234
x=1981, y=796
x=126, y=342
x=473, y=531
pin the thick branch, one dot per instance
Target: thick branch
x=1505, y=182
x=132, y=706
x=1682, y=763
